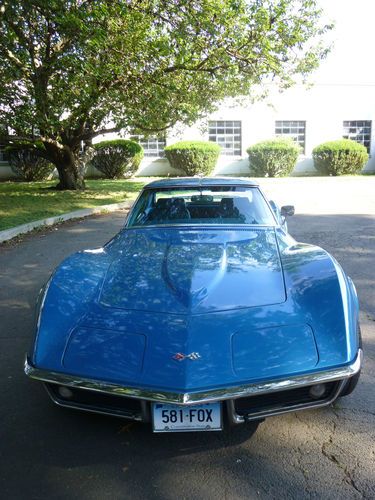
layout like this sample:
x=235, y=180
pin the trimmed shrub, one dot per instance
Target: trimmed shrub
x=193, y=157
x=117, y=158
x=340, y=157
x=273, y=158
x=27, y=165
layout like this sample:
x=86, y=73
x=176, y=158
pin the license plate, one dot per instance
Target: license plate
x=170, y=418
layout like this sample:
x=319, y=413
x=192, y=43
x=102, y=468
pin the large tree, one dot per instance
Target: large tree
x=73, y=69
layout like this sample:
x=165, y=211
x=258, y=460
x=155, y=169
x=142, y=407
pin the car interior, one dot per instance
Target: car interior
x=200, y=208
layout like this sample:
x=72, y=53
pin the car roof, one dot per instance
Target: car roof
x=200, y=182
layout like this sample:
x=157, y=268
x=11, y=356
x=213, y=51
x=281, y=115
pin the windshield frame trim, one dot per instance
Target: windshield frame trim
x=172, y=186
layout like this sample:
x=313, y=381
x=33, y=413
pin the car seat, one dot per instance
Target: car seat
x=227, y=209
x=161, y=209
x=178, y=209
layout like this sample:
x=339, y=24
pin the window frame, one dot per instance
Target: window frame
x=223, y=125
x=279, y=124
x=349, y=134
x=142, y=140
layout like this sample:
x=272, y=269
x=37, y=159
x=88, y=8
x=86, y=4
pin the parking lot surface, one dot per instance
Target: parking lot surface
x=50, y=453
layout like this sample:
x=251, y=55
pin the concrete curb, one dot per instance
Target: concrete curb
x=8, y=234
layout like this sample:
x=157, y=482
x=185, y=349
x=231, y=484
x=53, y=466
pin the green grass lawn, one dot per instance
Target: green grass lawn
x=22, y=202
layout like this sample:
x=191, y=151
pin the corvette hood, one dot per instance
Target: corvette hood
x=219, y=293
x=188, y=271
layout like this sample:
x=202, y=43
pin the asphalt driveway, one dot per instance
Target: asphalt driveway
x=48, y=452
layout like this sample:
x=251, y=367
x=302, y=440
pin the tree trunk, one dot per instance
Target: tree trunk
x=70, y=172
x=69, y=179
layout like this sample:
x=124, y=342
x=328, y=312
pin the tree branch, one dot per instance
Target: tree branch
x=19, y=138
x=199, y=68
x=32, y=139
x=17, y=61
x=93, y=133
x=161, y=129
x=16, y=30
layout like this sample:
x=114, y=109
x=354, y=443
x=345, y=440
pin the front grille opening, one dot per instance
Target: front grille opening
x=85, y=398
x=282, y=399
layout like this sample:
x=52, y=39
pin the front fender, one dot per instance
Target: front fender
x=325, y=297
x=63, y=302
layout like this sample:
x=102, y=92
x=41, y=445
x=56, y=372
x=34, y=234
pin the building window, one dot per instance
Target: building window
x=226, y=134
x=359, y=131
x=294, y=129
x=153, y=146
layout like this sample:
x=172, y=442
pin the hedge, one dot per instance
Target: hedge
x=340, y=157
x=28, y=165
x=117, y=158
x=193, y=157
x=273, y=158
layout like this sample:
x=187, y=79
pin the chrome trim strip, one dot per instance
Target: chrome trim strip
x=344, y=296
x=213, y=227
x=340, y=373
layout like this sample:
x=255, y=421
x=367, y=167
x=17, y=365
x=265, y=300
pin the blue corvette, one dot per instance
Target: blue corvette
x=201, y=313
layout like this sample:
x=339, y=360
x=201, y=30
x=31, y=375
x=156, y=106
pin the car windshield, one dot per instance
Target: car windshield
x=201, y=205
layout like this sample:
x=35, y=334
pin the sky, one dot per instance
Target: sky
x=352, y=59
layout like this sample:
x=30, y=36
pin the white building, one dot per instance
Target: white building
x=308, y=115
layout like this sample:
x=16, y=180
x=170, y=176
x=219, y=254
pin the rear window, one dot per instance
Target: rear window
x=212, y=205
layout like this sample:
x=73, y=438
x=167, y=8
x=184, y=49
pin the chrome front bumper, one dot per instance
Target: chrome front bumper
x=187, y=398
x=340, y=374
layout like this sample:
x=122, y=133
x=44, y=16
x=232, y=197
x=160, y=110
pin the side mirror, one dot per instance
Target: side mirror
x=287, y=210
